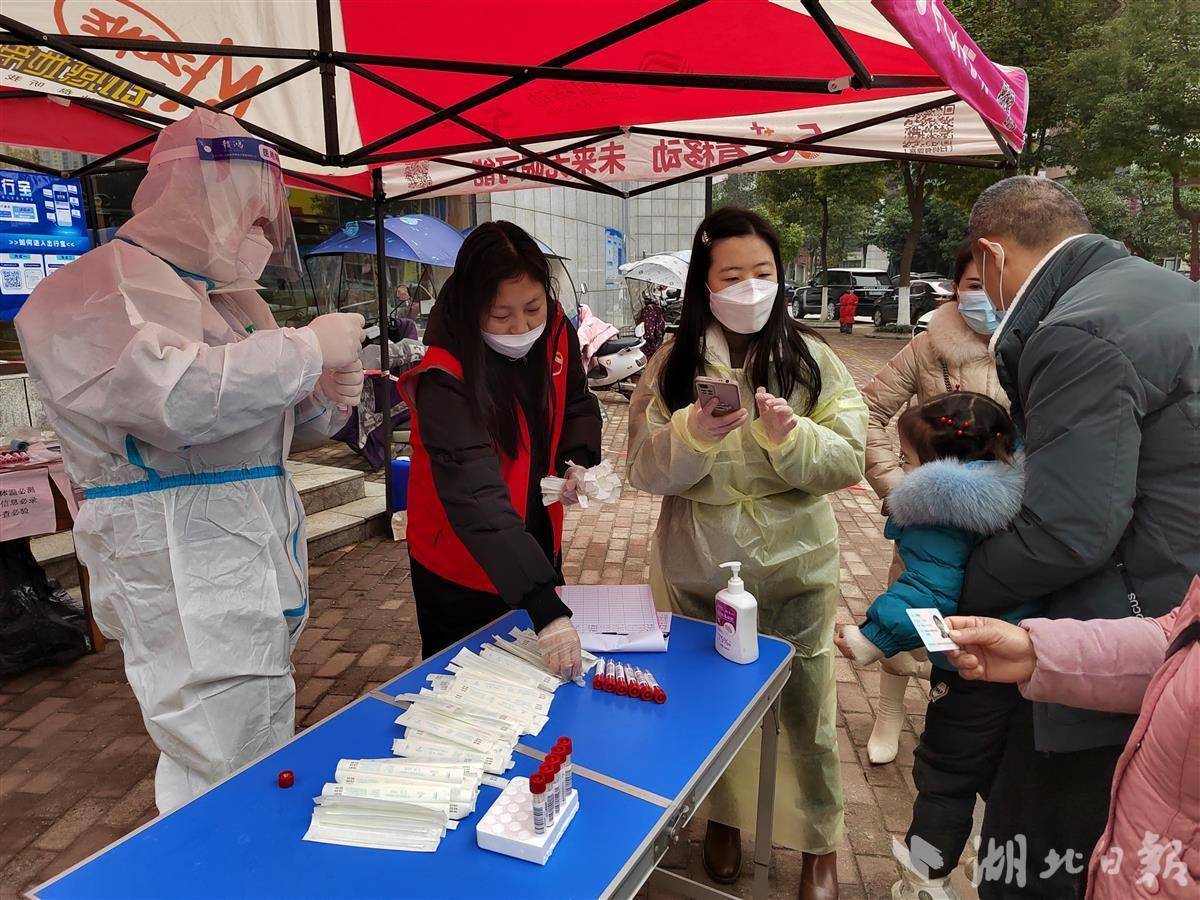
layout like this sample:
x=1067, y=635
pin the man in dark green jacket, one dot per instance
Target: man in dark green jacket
x=1099, y=353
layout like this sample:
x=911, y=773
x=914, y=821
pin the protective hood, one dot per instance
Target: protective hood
x=982, y=497
x=198, y=214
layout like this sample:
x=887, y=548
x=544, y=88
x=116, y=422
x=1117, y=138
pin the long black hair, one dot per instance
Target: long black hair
x=493, y=253
x=778, y=350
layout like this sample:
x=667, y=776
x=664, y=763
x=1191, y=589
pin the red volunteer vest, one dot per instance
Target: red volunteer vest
x=431, y=539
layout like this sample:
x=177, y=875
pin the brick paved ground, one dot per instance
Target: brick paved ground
x=76, y=768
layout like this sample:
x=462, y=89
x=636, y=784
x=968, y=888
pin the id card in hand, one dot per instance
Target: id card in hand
x=932, y=629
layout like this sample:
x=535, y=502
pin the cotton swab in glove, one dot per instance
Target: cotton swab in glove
x=599, y=483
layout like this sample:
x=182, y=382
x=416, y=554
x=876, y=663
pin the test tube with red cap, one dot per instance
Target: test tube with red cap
x=546, y=771
x=610, y=676
x=556, y=759
x=644, y=691
x=598, y=678
x=537, y=789
x=660, y=696
x=622, y=681
x=564, y=747
x=635, y=682
x=559, y=759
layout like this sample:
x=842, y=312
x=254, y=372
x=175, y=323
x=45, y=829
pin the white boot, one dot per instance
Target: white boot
x=889, y=718
x=908, y=662
x=912, y=887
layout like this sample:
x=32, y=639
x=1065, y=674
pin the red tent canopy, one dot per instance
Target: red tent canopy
x=454, y=97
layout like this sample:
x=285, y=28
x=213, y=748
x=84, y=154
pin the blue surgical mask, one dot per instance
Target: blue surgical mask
x=977, y=311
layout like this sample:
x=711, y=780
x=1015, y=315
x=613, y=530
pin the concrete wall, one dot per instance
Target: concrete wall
x=19, y=404
x=573, y=222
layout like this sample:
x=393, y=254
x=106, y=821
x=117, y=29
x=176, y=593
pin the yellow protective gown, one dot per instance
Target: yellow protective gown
x=747, y=499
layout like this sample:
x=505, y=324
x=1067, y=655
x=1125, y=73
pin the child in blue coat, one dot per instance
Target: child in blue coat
x=966, y=484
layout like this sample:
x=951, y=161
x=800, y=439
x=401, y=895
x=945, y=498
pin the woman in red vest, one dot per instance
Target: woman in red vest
x=499, y=402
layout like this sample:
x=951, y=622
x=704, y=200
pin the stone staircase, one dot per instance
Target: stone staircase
x=341, y=507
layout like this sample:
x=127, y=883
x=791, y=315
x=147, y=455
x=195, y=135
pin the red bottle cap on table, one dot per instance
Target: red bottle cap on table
x=287, y=778
x=660, y=696
x=565, y=744
x=597, y=682
x=537, y=784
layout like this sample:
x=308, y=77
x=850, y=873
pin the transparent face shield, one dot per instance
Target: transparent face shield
x=244, y=190
x=246, y=172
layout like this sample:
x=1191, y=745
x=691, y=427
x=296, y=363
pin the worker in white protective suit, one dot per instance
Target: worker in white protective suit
x=176, y=398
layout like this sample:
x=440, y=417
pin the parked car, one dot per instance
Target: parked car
x=914, y=276
x=925, y=294
x=793, y=292
x=870, y=285
x=922, y=323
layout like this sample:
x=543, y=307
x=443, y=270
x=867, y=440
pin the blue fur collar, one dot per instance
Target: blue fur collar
x=981, y=497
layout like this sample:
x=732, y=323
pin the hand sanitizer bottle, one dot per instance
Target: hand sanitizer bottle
x=737, y=619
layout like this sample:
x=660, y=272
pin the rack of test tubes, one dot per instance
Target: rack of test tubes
x=459, y=734
x=627, y=680
x=528, y=819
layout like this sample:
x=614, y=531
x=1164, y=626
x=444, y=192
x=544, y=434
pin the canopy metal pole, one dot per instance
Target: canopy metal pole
x=157, y=87
x=511, y=167
x=26, y=164
x=384, y=335
x=412, y=97
x=333, y=151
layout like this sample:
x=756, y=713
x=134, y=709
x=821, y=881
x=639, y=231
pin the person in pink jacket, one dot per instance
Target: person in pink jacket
x=1151, y=845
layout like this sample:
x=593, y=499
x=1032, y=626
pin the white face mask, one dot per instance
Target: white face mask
x=253, y=254
x=514, y=346
x=744, y=307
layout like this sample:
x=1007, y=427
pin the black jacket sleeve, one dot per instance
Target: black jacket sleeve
x=466, y=475
x=580, y=439
x=1084, y=404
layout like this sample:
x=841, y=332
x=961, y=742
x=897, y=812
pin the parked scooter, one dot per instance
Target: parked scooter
x=612, y=363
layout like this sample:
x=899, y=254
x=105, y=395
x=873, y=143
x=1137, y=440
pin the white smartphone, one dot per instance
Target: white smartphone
x=726, y=390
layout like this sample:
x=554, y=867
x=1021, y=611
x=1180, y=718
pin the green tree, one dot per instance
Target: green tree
x=1134, y=98
x=943, y=230
x=1135, y=207
x=1039, y=36
x=736, y=190
x=825, y=210
x=915, y=184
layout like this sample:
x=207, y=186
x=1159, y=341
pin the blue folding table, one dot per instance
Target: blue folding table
x=641, y=769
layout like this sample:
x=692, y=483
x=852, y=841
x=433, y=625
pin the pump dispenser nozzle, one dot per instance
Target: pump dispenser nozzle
x=736, y=585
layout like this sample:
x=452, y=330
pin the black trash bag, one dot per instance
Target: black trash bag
x=40, y=625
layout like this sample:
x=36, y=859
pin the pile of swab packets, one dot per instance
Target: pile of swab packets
x=459, y=734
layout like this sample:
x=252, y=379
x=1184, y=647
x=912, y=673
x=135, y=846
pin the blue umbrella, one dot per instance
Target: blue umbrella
x=542, y=245
x=419, y=238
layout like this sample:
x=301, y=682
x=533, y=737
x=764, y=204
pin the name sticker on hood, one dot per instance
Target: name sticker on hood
x=229, y=148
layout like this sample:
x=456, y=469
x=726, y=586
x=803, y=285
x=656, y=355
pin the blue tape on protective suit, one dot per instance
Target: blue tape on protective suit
x=188, y=479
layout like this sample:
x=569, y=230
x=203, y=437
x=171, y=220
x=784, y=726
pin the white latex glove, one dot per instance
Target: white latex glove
x=570, y=491
x=340, y=336
x=341, y=386
x=561, y=652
